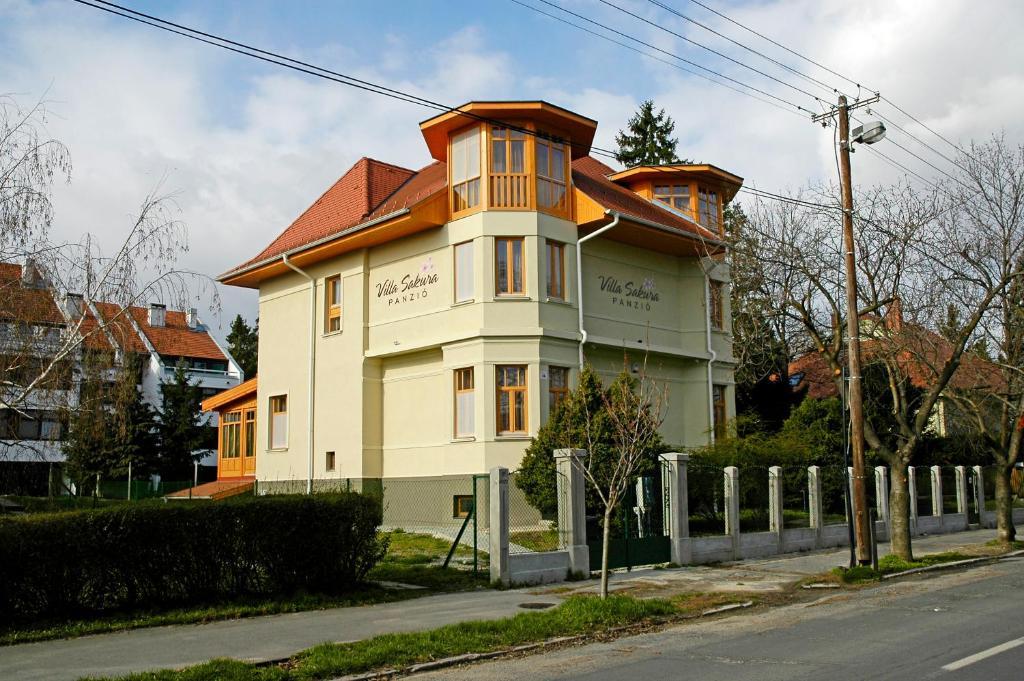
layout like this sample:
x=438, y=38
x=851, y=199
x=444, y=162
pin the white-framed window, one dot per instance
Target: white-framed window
x=464, y=272
x=511, y=401
x=278, y=435
x=509, y=266
x=332, y=308
x=465, y=402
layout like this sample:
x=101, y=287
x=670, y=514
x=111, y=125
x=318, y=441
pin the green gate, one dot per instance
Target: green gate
x=639, y=531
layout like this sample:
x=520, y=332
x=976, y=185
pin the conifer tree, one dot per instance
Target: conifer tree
x=648, y=139
x=181, y=429
x=242, y=344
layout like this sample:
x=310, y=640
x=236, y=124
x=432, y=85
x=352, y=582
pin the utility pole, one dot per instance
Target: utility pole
x=860, y=497
x=861, y=519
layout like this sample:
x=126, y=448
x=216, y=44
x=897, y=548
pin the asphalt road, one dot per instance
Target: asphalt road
x=965, y=626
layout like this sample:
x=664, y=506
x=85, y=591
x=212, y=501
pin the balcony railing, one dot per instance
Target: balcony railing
x=510, y=191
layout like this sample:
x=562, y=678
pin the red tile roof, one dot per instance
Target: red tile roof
x=120, y=327
x=176, y=338
x=591, y=177
x=368, y=185
x=18, y=302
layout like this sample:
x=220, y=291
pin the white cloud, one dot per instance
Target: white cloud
x=246, y=154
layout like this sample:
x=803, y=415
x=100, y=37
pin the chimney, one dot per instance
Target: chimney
x=157, y=314
x=192, y=318
x=74, y=305
x=30, y=275
x=894, y=315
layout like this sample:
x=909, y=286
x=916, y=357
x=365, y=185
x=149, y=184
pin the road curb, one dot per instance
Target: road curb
x=551, y=642
x=954, y=564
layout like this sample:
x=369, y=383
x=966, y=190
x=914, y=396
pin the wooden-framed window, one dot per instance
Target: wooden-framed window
x=465, y=170
x=465, y=403
x=718, y=408
x=551, y=176
x=707, y=209
x=675, y=195
x=249, y=433
x=278, y=434
x=332, y=304
x=509, y=266
x=509, y=177
x=462, y=505
x=231, y=435
x=329, y=461
x=556, y=270
x=716, y=291
x=511, y=402
x=558, y=387
x=464, y=272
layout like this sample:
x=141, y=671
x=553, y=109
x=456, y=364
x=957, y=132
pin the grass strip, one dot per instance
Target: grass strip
x=577, y=615
x=891, y=564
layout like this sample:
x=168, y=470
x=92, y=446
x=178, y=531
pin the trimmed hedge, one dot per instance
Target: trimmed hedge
x=131, y=557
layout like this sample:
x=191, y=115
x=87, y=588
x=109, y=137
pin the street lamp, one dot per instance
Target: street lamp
x=868, y=133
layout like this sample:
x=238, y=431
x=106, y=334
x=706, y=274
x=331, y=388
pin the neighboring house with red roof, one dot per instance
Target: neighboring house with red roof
x=35, y=320
x=425, y=322
x=920, y=354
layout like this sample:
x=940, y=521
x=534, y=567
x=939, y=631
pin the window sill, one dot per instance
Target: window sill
x=277, y=449
x=466, y=438
x=328, y=334
x=512, y=296
x=460, y=303
x=560, y=301
x=512, y=436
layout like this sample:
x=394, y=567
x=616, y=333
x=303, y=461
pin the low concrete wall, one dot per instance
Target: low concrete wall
x=712, y=549
x=799, y=539
x=758, y=544
x=834, y=535
x=538, y=568
x=928, y=524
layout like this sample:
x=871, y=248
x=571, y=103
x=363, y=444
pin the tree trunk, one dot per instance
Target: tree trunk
x=899, y=511
x=604, y=551
x=1006, y=532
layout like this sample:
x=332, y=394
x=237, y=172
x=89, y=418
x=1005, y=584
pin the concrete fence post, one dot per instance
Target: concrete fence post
x=572, y=508
x=814, y=497
x=961, y=489
x=979, y=494
x=882, y=493
x=776, y=519
x=680, y=551
x=937, y=493
x=498, y=530
x=732, y=506
x=912, y=493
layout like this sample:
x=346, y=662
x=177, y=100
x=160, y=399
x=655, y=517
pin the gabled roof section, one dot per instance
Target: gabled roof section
x=670, y=172
x=347, y=211
x=120, y=327
x=30, y=304
x=176, y=338
x=593, y=179
x=243, y=392
x=347, y=202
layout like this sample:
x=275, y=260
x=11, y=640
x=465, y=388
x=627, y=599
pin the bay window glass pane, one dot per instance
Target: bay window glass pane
x=464, y=424
x=502, y=265
x=466, y=155
x=498, y=156
x=464, y=271
x=517, y=266
x=504, y=412
x=518, y=164
x=557, y=163
x=542, y=158
x=519, y=404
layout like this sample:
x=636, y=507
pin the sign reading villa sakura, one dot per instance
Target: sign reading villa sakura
x=632, y=294
x=407, y=287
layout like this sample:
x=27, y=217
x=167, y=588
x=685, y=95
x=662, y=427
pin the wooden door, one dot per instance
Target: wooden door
x=249, y=443
x=229, y=463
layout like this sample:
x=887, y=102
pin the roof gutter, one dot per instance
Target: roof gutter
x=313, y=244
x=579, y=274
x=312, y=365
x=712, y=355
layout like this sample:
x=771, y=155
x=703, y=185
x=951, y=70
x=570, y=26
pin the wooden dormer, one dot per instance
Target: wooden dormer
x=699, y=192
x=509, y=155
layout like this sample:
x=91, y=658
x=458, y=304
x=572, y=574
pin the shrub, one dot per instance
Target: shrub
x=147, y=556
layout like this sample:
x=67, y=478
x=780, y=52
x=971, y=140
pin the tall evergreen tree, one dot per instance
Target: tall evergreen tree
x=648, y=139
x=242, y=344
x=181, y=426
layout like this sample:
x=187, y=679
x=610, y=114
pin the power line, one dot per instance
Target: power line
x=655, y=57
x=920, y=141
x=778, y=44
x=899, y=166
x=778, y=63
x=676, y=56
x=709, y=49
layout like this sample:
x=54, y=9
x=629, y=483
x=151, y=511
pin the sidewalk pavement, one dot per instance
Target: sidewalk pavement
x=279, y=636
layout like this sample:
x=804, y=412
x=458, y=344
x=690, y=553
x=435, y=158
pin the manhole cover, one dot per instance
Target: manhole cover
x=536, y=606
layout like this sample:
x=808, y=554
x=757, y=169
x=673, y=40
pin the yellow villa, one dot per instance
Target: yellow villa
x=418, y=323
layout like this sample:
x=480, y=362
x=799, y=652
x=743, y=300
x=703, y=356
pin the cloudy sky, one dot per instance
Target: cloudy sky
x=246, y=146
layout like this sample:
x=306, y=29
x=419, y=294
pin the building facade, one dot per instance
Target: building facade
x=424, y=323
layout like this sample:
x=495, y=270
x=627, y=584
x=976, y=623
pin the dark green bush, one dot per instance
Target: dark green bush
x=147, y=556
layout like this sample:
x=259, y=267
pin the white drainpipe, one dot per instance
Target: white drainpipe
x=712, y=355
x=579, y=275
x=312, y=364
